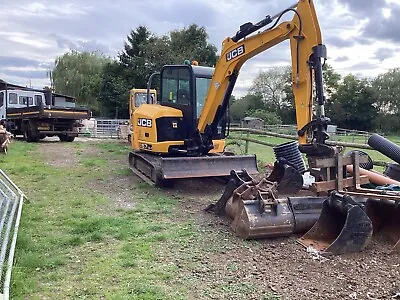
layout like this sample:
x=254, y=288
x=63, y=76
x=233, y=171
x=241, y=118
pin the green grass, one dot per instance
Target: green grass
x=68, y=247
x=74, y=242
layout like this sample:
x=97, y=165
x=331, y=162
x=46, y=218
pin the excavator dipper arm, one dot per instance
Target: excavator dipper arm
x=307, y=49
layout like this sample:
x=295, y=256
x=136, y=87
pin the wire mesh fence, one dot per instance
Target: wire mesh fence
x=11, y=201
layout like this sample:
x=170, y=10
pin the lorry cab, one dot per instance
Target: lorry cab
x=19, y=99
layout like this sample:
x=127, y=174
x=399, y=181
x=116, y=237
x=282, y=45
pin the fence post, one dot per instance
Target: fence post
x=246, y=149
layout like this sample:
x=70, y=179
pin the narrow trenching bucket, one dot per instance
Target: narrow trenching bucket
x=343, y=227
x=287, y=176
x=385, y=217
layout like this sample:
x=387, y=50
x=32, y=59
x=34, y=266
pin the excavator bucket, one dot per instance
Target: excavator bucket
x=263, y=217
x=385, y=217
x=343, y=227
x=287, y=176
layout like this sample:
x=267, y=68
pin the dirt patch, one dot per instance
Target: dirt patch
x=58, y=154
x=281, y=265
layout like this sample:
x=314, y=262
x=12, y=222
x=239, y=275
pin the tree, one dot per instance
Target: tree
x=79, y=74
x=192, y=43
x=136, y=58
x=387, y=87
x=241, y=106
x=114, y=92
x=354, y=104
x=331, y=80
x=269, y=117
x=271, y=86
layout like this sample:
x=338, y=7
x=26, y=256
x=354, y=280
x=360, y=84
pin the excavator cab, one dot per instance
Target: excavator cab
x=185, y=87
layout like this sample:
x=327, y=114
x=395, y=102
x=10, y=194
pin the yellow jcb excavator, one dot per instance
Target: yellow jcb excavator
x=183, y=135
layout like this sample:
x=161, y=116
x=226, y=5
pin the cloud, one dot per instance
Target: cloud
x=31, y=74
x=385, y=53
x=342, y=58
x=10, y=61
x=339, y=42
x=361, y=66
x=383, y=28
x=362, y=7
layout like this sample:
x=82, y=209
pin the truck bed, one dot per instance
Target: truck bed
x=53, y=112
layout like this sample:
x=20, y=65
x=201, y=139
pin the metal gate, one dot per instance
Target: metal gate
x=11, y=200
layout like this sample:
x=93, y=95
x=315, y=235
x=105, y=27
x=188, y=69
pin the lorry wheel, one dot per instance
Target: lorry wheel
x=63, y=138
x=69, y=138
x=29, y=137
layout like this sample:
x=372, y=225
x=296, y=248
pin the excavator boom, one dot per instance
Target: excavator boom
x=307, y=49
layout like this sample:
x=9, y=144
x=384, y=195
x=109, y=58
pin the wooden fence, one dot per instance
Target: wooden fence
x=248, y=139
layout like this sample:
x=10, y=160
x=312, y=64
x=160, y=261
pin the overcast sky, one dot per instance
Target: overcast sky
x=362, y=36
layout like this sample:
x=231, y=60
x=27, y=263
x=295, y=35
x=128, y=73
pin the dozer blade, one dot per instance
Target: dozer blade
x=287, y=176
x=207, y=166
x=161, y=171
x=343, y=227
x=385, y=217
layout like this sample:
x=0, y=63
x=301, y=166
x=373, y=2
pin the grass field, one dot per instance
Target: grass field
x=91, y=230
x=72, y=244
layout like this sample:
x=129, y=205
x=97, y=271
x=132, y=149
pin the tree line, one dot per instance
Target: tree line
x=351, y=102
x=103, y=83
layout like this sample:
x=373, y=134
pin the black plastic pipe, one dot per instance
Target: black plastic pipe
x=384, y=146
x=291, y=152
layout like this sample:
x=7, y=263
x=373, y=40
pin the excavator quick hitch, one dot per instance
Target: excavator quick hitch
x=343, y=227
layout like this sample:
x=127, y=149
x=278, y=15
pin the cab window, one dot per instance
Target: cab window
x=175, y=86
x=38, y=99
x=141, y=98
x=1, y=99
x=12, y=98
x=23, y=100
x=202, y=85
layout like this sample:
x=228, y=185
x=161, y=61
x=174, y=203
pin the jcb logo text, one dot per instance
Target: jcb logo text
x=144, y=122
x=235, y=53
